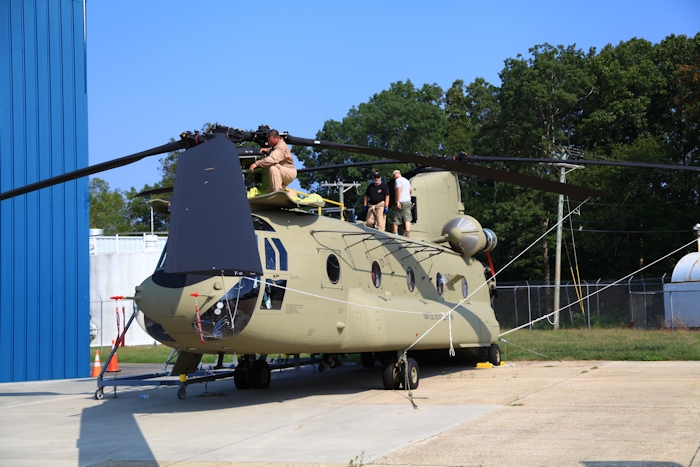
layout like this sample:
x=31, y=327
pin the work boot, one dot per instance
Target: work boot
x=407, y=233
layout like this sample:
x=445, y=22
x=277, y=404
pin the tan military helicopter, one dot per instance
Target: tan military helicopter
x=265, y=274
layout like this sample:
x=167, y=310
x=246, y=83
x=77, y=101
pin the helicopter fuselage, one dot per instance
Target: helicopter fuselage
x=328, y=286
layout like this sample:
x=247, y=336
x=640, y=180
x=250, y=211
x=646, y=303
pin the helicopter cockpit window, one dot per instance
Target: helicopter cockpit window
x=465, y=288
x=283, y=253
x=273, y=295
x=439, y=283
x=333, y=268
x=410, y=279
x=270, y=256
x=259, y=224
x=376, y=274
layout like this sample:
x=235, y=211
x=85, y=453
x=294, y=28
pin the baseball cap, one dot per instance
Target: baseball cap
x=377, y=175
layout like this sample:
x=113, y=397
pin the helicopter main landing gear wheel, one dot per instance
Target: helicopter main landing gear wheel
x=398, y=372
x=495, y=355
x=412, y=375
x=390, y=376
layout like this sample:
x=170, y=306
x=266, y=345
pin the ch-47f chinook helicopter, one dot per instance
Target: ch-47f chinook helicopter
x=263, y=275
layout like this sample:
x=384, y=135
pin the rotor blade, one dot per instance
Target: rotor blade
x=211, y=228
x=156, y=191
x=343, y=166
x=526, y=181
x=579, y=161
x=93, y=169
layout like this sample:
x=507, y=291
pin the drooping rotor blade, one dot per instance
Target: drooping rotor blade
x=93, y=169
x=452, y=164
x=242, y=151
x=580, y=162
x=211, y=228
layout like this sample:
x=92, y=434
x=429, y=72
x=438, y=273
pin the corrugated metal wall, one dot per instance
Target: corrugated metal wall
x=44, y=263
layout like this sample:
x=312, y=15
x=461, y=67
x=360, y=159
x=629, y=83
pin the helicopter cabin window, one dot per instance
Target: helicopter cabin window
x=283, y=253
x=333, y=268
x=376, y=274
x=270, y=256
x=273, y=295
x=259, y=224
x=465, y=287
x=439, y=283
x=410, y=279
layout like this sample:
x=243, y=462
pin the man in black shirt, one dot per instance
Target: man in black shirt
x=377, y=202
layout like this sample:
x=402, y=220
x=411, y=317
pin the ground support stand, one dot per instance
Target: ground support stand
x=164, y=377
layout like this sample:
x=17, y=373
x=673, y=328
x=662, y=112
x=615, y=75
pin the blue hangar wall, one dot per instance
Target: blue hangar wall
x=44, y=262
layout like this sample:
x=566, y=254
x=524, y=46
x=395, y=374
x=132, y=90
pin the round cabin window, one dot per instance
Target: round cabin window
x=439, y=283
x=465, y=287
x=333, y=269
x=376, y=274
x=410, y=279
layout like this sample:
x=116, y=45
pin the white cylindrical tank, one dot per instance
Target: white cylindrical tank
x=687, y=269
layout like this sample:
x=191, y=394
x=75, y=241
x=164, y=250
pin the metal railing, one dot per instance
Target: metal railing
x=116, y=244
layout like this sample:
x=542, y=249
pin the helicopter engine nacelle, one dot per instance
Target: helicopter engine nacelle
x=466, y=236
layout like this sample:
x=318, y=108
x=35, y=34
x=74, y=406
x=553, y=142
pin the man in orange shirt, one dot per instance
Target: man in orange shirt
x=280, y=162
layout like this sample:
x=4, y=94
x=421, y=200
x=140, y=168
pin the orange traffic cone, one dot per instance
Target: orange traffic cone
x=96, y=367
x=113, y=363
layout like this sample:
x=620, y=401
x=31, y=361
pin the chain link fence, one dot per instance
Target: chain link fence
x=633, y=303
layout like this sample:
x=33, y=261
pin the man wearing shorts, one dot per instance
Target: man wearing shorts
x=376, y=202
x=402, y=210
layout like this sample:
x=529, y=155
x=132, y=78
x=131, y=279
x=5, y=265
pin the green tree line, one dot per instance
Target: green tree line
x=635, y=101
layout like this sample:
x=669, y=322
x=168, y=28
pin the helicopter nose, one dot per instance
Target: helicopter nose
x=146, y=296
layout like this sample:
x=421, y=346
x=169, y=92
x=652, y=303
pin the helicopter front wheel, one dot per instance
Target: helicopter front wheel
x=260, y=374
x=241, y=376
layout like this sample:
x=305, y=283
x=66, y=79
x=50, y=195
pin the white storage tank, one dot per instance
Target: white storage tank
x=682, y=295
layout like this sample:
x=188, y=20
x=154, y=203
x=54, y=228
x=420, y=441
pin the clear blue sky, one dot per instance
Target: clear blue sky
x=158, y=68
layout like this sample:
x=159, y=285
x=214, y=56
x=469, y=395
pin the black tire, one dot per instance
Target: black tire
x=241, y=377
x=260, y=374
x=367, y=359
x=181, y=393
x=413, y=374
x=100, y=394
x=495, y=355
x=391, y=377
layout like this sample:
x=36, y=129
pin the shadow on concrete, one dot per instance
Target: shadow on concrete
x=30, y=394
x=109, y=430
